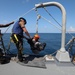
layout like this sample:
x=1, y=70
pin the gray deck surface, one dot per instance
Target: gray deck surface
x=14, y=68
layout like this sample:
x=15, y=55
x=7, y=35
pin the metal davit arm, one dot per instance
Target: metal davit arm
x=63, y=19
x=62, y=55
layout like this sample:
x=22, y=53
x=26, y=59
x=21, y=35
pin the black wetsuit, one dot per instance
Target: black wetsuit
x=37, y=46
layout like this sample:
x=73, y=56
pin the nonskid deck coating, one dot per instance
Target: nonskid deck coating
x=14, y=68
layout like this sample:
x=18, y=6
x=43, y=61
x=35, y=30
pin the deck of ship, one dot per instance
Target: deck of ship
x=53, y=68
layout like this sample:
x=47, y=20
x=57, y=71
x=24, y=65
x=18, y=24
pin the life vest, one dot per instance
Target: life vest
x=17, y=29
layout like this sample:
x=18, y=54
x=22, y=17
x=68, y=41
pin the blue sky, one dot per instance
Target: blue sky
x=12, y=9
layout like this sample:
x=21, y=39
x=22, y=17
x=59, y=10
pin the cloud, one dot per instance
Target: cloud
x=71, y=29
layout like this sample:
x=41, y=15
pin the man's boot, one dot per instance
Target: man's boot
x=20, y=56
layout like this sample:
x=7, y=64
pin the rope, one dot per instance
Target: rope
x=70, y=47
x=53, y=25
x=70, y=34
x=50, y=22
x=25, y=13
x=6, y=30
x=10, y=26
x=54, y=53
x=38, y=17
x=52, y=16
x=18, y=17
x=9, y=45
x=56, y=20
x=46, y=20
x=69, y=41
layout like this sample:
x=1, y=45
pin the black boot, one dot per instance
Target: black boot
x=25, y=60
x=20, y=56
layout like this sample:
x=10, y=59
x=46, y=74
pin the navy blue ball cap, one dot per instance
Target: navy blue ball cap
x=23, y=19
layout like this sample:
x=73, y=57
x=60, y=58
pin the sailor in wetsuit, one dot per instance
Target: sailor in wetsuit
x=36, y=45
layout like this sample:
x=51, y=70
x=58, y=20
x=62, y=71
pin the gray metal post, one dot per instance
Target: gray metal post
x=62, y=55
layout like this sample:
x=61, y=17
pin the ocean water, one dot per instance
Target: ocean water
x=52, y=40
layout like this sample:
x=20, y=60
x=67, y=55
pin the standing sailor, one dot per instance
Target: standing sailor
x=17, y=35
